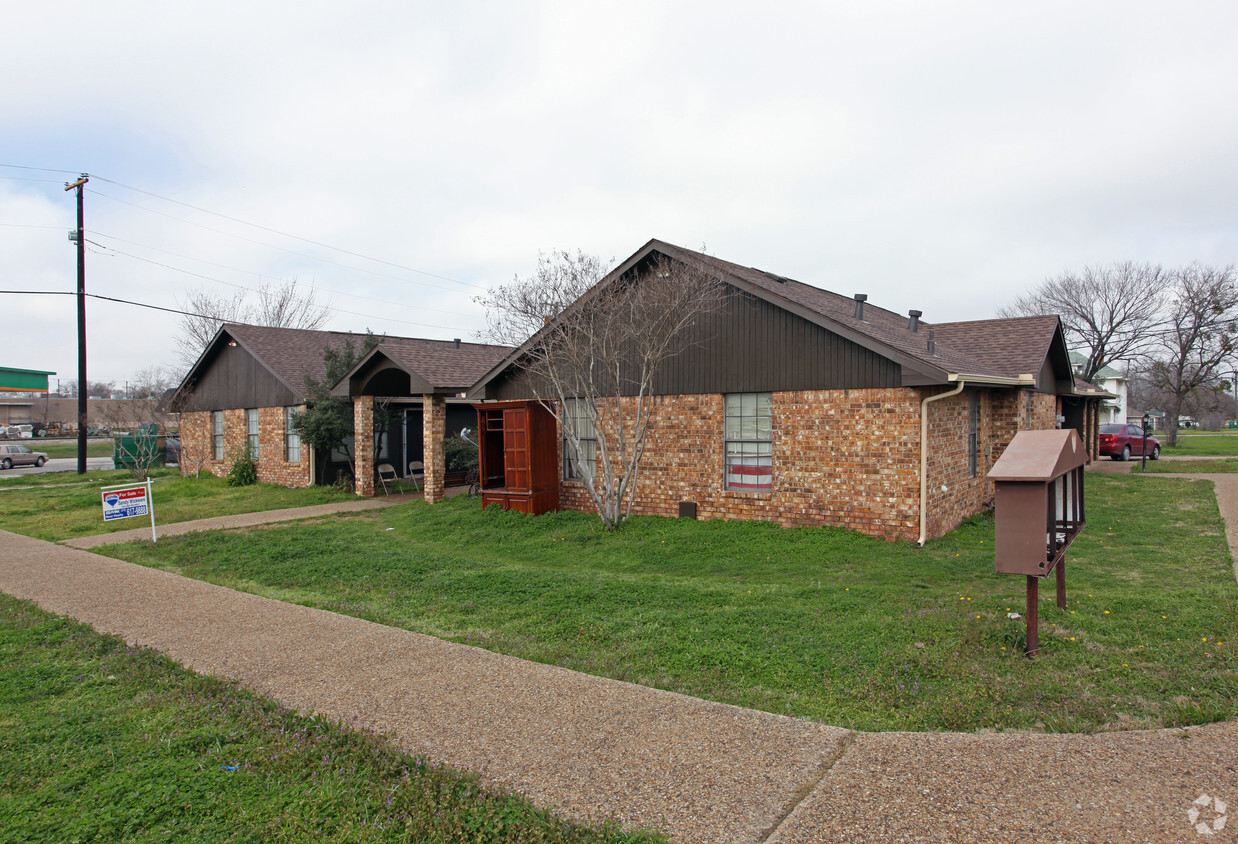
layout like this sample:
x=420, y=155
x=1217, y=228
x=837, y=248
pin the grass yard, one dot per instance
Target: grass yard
x=62, y=505
x=1200, y=445
x=66, y=448
x=810, y=622
x=104, y=742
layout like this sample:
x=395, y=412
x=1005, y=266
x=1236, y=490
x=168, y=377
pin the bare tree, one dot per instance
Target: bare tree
x=1197, y=342
x=209, y=311
x=597, y=344
x=1112, y=312
x=150, y=383
x=278, y=304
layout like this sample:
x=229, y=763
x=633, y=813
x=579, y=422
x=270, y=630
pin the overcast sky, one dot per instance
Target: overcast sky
x=402, y=158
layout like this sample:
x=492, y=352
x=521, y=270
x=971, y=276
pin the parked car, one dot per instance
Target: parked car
x=1121, y=442
x=20, y=455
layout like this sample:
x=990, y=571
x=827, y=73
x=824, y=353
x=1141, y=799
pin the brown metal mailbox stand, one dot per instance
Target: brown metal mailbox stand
x=1040, y=510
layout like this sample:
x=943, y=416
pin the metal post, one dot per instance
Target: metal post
x=1033, y=619
x=81, y=326
x=1061, y=584
x=1146, y=420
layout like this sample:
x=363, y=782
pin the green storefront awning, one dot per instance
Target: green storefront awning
x=23, y=380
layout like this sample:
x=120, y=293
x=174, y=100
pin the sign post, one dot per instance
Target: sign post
x=129, y=500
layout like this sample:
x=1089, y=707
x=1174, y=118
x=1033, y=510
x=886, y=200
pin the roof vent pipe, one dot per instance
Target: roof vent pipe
x=860, y=299
x=456, y=343
x=932, y=344
x=914, y=322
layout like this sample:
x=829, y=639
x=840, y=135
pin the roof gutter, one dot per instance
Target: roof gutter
x=995, y=380
x=924, y=452
x=961, y=380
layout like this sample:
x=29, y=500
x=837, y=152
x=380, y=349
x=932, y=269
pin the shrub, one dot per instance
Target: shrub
x=459, y=455
x=243, y=471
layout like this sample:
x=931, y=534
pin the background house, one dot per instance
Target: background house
x=1113, y=410
x=851, y=415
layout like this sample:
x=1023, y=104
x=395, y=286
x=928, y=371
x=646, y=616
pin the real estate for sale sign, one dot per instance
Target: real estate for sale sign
x=128, y=501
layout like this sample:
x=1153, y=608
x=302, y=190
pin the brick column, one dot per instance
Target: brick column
x=363, y=443
x=434, y=429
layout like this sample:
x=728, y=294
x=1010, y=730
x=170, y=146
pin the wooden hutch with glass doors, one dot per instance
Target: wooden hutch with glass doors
x=518, y=447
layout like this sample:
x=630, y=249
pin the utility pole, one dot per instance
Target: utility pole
x=81, y=325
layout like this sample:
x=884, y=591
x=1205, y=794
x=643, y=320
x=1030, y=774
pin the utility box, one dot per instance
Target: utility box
x=141, y=449
x=1040, y=504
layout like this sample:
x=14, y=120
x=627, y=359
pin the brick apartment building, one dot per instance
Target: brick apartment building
x=250, y=381
x=850, y=414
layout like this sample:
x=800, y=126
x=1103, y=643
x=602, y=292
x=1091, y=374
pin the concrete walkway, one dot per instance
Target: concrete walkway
x=705, y=772
x=239, y=520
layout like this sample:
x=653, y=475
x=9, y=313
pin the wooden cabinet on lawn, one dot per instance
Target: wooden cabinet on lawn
x=519, y=451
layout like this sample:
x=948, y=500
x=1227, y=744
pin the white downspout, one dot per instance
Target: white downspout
x=924, y=456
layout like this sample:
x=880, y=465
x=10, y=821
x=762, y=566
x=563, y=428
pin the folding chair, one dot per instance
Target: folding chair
x=386, y=476
x=415, y=468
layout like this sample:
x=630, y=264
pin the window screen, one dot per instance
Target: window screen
x=749, y=423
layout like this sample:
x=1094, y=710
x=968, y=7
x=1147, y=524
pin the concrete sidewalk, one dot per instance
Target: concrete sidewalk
x=705, y=772
x=238, y=520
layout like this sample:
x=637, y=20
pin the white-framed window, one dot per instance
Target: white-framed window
x=749, y=435
x=251, y=431
x=217, y=434
x=292, y=440
x=577, y=420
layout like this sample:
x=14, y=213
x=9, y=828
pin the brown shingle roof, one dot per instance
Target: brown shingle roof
x=440, y=363
x=292, y=354
x=1003, y=348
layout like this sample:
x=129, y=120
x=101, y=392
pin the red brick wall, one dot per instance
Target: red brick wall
x=848, y=458
x=841, y=457
x=272, y=468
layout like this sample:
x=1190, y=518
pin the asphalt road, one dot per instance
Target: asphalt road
x=57, y=464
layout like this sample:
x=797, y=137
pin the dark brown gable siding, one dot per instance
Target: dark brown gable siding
x=753, y=346
x=235, y=379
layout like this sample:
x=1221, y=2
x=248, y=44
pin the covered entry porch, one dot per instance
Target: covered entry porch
x=408, y=395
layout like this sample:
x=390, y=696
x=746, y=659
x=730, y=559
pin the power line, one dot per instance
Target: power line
x=41, y=169
x=282, y=233
x=279, y=248
x=252, y=290
x=258, y=274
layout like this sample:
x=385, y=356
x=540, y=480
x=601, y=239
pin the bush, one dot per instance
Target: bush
x=243, y=471
x=459, y=455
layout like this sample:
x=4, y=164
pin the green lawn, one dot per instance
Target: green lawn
x=64, y=505
x=1200, y=445
x=65, y=448
x=811, y=622
x=104, y=742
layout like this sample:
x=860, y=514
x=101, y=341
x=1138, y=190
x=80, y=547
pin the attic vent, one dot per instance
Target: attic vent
x=860, y=299
x=914, y=322
x=455, y=343
x=932, y=343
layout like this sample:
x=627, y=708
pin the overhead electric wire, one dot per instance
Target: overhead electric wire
x=265, y=275
x=273, y=246
x=169, y=310
x=42, y=169
x=252, y=290
x=280, y=233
